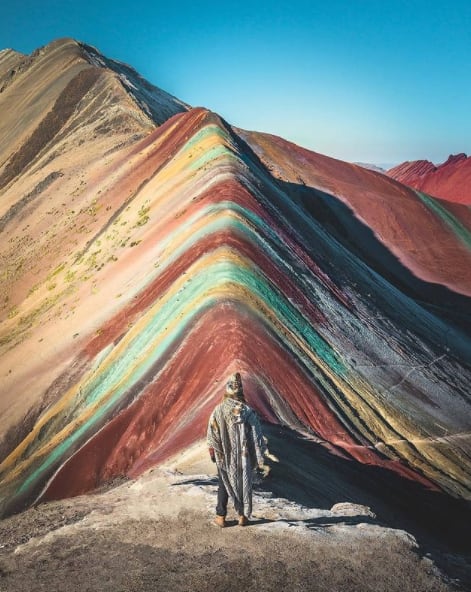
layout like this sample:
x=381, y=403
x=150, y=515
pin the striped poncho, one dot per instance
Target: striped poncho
x=235, y=434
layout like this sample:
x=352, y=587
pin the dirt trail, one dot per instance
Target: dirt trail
x=156, y=533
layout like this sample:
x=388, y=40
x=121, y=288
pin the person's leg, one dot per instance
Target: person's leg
x=243, y=520
x=223, y=497
x=239, y=507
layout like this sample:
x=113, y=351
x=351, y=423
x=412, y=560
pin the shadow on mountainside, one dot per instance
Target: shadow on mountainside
x=342, y=224
x=312, y=476
x=340, y=221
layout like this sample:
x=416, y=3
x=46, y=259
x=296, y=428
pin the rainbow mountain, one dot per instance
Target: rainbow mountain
x=149, y=249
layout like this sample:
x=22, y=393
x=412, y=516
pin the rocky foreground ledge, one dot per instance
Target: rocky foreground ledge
x=156, y=533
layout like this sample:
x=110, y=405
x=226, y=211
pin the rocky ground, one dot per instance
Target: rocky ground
x=156, y=533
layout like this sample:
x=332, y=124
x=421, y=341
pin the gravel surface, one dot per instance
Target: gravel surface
x=156, y=533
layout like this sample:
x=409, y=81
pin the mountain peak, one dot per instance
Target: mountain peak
x=156, y=103
x=455, y=158
x=450, y=180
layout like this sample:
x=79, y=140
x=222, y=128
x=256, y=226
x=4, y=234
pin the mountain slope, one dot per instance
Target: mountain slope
x=65, y=86
x=400, y=219
x=151, y=261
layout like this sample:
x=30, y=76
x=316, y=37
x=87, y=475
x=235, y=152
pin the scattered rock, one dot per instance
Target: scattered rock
x=349, y=509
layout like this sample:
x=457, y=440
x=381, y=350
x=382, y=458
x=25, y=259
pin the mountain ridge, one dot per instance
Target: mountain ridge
x=449, y=180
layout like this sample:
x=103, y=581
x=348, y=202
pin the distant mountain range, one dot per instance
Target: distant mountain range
x=450, y=180
x=372, y=167
x=148, y=249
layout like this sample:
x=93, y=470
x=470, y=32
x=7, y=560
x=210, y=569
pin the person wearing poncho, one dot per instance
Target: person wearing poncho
x=237, y=446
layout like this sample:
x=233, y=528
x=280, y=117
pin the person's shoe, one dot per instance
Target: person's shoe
x=220, y=521
x=243, y=520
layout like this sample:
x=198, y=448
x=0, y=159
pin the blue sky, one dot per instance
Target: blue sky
x=375, y=81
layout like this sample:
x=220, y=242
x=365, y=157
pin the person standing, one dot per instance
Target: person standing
x=237, y=446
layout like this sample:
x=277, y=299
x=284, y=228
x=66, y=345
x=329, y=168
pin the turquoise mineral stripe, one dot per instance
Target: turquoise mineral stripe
x=223, y=223
x=251, y=226
x=438, y=208
x=210, y=155
x=289, y=316
x=133, y=363
x=204, y=133
x=225, y=149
